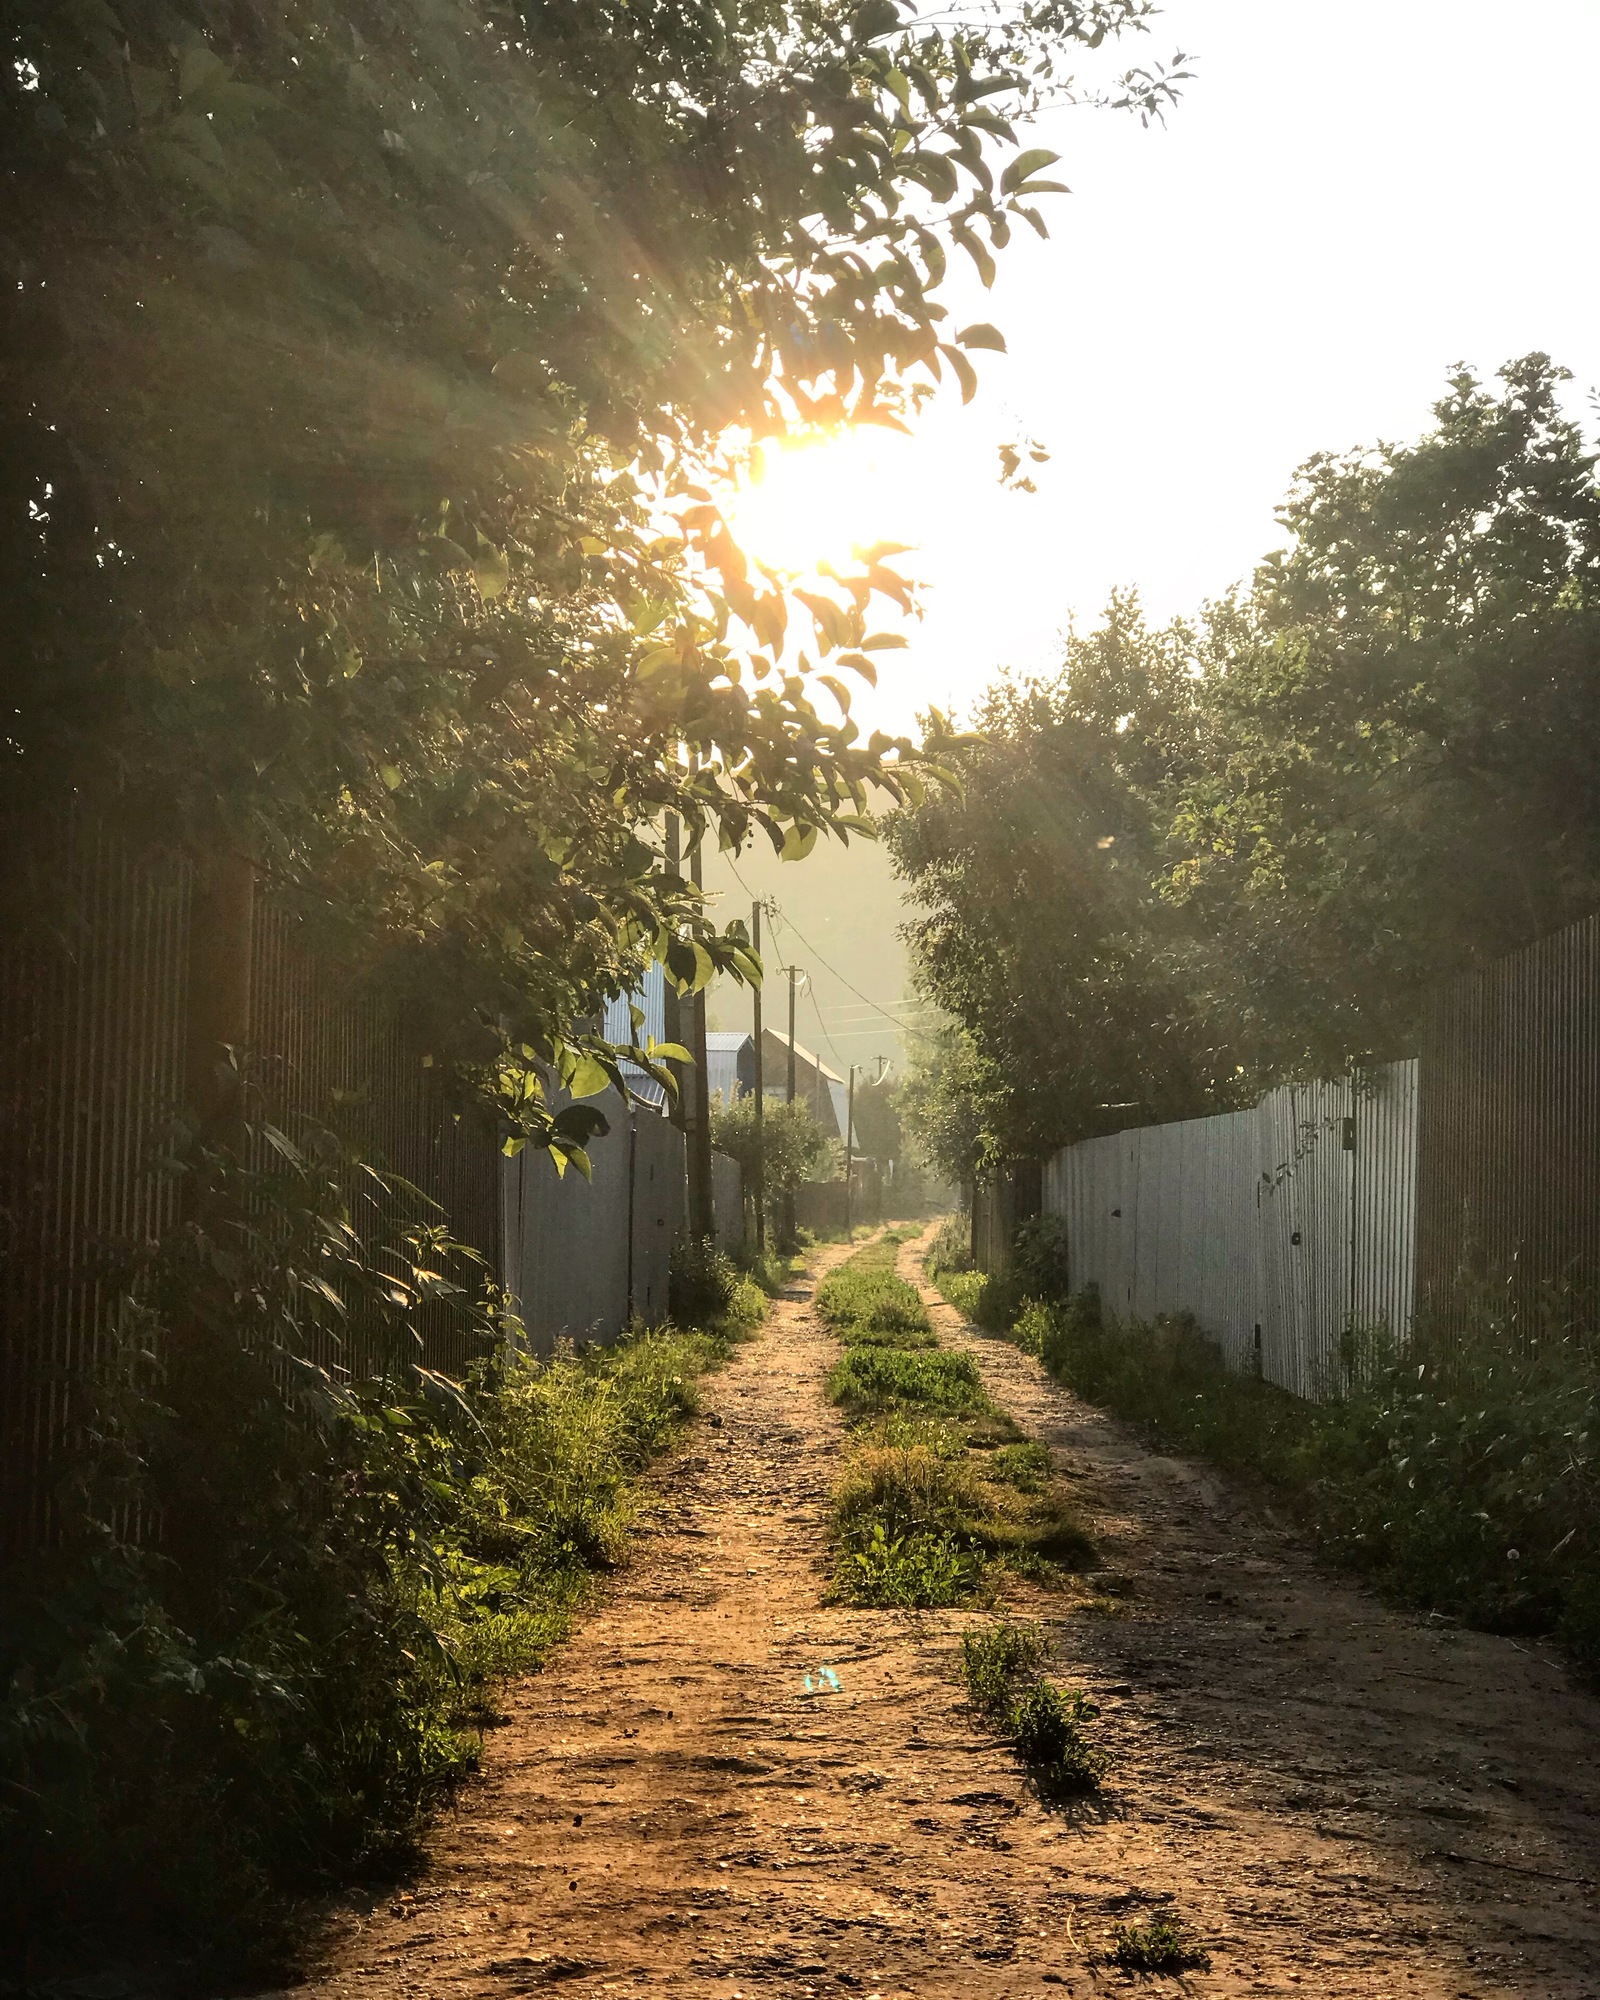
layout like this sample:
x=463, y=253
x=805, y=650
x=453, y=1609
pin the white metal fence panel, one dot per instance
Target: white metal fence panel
x=1277, y=1228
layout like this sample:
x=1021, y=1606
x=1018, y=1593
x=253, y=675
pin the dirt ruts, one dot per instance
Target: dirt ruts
x=1341, y=1799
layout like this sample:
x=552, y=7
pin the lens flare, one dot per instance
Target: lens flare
x=817, y=499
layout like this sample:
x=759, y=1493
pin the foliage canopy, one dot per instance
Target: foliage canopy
x=369, y=371
x=1214, y=855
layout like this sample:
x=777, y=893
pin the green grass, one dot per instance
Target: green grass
x=993, y=1661
x=1163, y=1945
x=1460, y=1472
x=182, y=1749
x=1050, y=1728
x=864, y=1301
x=940, y=1488
x=870, y=1380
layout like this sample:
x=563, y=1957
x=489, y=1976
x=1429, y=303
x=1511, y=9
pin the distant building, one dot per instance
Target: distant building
x=731, y=1073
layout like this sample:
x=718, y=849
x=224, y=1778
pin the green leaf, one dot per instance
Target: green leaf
x=588, y=1078
x=491, y=570
x=966, y=374
x=983, y=335
x=1024, y=166
x=798, y=842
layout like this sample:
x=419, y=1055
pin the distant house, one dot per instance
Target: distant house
x=731, y=1073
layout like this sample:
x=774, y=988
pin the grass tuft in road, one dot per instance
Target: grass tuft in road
x=1164, y=1945
x=1049, y=1727
x=942, y=1487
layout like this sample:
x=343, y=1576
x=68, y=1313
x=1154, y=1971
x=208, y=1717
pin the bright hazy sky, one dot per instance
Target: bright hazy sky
x=1349, y=198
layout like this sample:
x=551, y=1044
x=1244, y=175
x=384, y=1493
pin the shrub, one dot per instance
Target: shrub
x=280, y=1694
x=702, y=1282
x=1039, y=1258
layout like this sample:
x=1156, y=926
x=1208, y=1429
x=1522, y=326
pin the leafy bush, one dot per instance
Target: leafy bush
x=1047, y=1728
x=278, y=1692
x=702, y=1282
x=1039, y=1262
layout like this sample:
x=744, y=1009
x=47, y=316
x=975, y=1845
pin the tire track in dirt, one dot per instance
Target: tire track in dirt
x=667, y=1811
x=1344, y=1798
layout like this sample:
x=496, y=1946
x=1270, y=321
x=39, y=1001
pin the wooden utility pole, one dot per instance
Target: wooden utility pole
x=671, y=1006
x=849, y=1145
x=788, y=1199
x=794, y=973
x=760, y=1105
x=702, y=1209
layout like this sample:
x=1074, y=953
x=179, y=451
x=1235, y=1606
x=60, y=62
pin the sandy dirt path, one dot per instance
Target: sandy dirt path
x=1344, y=1801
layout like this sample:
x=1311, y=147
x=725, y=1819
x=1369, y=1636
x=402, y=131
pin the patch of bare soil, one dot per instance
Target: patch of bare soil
x=1342, y=1800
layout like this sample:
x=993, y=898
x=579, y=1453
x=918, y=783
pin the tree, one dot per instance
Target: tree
x=793, y=1144
x=1402, y=718
x=1209, y=857
x=370, y=373
x=1040, y=927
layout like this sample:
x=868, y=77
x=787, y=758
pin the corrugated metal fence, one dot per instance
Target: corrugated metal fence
x=94, y=1005
x=1509, y=1134
x=1277, y=1227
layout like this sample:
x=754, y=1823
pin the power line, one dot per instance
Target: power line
x=904, y=1026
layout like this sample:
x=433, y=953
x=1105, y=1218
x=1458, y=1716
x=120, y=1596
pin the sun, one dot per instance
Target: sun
x=813, y=501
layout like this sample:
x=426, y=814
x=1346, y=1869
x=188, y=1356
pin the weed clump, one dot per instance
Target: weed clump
x=902, y=1518
x=993, y=1661
x=873, y=1379
x=1048, y=1728
x=907, y=1572
x=1162, y=1945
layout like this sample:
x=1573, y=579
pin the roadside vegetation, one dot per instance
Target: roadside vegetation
x=272, y=1688
x=940, y=1491
x=1459, y=1470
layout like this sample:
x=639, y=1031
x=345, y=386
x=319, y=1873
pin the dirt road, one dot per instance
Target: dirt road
x=1342, y=1800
